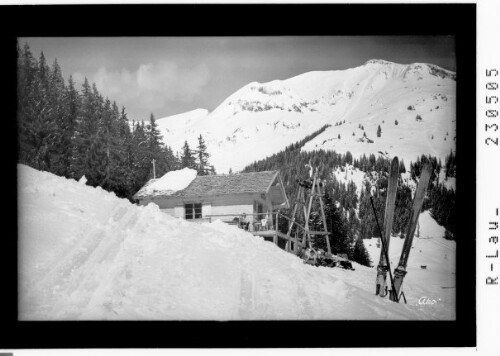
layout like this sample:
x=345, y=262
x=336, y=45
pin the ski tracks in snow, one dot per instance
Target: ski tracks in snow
x=95, y=251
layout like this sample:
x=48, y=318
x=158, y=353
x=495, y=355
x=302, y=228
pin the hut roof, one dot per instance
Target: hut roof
x=254, y=182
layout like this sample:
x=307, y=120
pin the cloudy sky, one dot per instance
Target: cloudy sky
x=171, y=75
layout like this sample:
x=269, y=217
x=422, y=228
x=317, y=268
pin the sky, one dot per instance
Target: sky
x=172, y=75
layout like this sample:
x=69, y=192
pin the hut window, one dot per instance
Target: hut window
x=193, y=211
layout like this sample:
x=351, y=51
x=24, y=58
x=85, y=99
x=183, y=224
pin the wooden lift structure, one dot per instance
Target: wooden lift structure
x=309, y=190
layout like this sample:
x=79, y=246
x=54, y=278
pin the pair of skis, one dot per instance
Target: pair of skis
x=418, y=200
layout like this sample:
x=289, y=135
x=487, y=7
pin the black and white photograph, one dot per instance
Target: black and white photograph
x=237, y=178
x=255, y=179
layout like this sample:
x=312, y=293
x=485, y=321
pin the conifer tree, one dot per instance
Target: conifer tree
x=156, y=147
x=26, y=70
x=42, y=131
x=73, y=107
x=65, y=101
x=402, y=168
x=360, y=254
x=187, y=158
x=203, y=156
x=110, y=133
x=154, y=137
x=84, y=130
x=139, y=158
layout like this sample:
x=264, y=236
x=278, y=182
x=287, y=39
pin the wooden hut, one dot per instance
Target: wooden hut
x=223, y=197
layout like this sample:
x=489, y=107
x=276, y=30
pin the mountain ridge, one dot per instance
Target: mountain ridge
x=260, y=119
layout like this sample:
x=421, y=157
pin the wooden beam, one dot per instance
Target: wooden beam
x=287, y=204
x=270, y=209
x=277, y=228
x=312, y=232
x=308, y=213
x=323, y=217
x=290, y=223
x=272, y=181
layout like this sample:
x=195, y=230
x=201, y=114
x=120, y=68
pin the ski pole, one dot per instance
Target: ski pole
x=385, y=249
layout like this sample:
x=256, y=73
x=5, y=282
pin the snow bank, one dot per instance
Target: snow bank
x=429, y=249
x=84, y=254
x=170, y=183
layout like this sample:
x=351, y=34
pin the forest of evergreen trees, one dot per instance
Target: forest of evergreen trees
x=75, y=133
x=291, y=162
x=440, y=200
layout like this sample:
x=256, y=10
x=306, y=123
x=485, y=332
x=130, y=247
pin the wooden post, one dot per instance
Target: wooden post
x=269, y=210
x=290, y=224
x=154, y=169
x=277, y=228
x=323, y=217
x=307, y=236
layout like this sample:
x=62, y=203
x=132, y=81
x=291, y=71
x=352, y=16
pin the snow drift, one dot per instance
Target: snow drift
x=85, y=254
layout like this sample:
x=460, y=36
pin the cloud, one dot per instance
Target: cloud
x=151, y=86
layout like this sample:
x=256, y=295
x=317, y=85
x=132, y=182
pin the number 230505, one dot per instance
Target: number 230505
x=491, y=111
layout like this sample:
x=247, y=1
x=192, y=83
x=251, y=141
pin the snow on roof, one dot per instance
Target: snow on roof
x=169, y=183
x=254, y=182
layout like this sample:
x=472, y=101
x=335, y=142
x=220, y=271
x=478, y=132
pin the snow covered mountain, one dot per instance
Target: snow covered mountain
x=414, y=105
x=85, y=254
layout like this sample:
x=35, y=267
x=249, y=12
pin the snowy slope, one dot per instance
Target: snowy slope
x=435, y=282
x=85, y=254
x=262, y=118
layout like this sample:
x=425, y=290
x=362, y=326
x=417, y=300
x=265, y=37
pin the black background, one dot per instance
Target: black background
x=457, y=20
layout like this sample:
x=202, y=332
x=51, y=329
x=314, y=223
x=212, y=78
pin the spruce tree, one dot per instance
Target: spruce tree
x=114, y=155
x=43, y=126
x=360, y=254
x=26, y=78
x=59, y=101
x=73, y=104
x=202, y=155
x=154, y=136
x=187, y=157
x=402, y=168
x=139, y=158
x=379, y=131
x=156, y=149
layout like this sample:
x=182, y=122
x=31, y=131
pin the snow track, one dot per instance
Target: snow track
x=86, y=255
